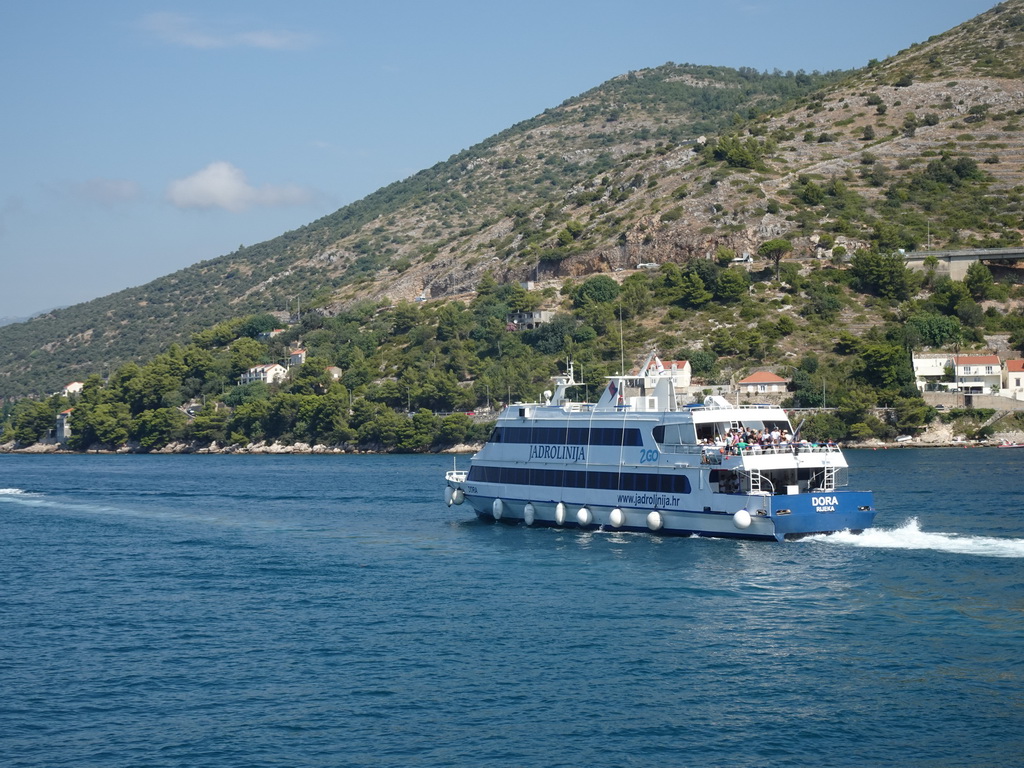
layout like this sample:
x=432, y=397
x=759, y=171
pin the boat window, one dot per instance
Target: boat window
x=674, y=434
x=606, y=481
x=711, y=432
x=568, y=435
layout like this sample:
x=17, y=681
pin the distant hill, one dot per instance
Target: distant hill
x=663, y=164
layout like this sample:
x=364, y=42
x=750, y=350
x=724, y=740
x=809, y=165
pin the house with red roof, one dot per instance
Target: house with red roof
x=977, y=374
x=268, y=374
x=761, y=383
x=1013, y=379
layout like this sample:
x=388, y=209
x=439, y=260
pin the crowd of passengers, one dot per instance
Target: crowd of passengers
x=736, y=440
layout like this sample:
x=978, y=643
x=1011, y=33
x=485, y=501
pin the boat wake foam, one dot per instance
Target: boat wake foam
x=12, y=492
x=910, y=536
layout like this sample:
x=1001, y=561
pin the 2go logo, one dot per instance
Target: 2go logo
x=650, y=456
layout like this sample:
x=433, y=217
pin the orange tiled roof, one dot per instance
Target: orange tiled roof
x=763, y=377
x=977, y=360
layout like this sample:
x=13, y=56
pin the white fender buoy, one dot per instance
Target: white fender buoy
x=655, y=520
x=497, y=507
x=741, y=519
x=584, y=516
x=458, y=496
x=560, y=514
x=449, y=492
x=617, y=517
x=529, y=514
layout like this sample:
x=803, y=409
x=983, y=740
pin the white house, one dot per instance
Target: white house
x=72, y=389
x=269, y=374
x=929, y=371
x=296, y=357
x=682, y=373
x=762, y=382
x=977, y=374
x=1013, y=379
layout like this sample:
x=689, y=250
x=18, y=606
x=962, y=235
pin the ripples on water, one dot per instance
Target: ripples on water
x=331, y=611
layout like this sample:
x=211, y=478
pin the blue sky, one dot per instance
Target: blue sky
x=138, y=138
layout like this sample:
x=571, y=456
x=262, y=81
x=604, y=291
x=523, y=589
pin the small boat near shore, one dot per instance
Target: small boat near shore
x=645, y=458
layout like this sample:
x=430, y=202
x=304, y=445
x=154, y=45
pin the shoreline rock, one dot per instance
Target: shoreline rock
x=939, y=436
x=260, y=448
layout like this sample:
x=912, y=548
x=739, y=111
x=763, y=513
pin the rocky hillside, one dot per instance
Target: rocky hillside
x=666, y=164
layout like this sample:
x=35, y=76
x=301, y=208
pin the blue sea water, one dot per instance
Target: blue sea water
x=332, y=611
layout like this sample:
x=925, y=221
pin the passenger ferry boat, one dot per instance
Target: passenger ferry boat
x=644, y=459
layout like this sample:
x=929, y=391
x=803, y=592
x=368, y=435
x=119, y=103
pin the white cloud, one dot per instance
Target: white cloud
x=182, y=30
x=222, y=185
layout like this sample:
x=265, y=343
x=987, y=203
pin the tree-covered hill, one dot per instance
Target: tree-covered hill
x=419, y=376
x=669, y=164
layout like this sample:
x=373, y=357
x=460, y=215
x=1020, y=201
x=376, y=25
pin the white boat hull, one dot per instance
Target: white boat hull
x=642, y=460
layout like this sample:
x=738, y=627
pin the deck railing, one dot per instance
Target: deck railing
x=750, y=450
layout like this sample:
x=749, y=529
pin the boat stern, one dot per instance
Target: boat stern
x=805, y=514
x=454, y=492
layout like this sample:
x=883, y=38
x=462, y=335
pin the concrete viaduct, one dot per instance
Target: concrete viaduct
x=955, y=263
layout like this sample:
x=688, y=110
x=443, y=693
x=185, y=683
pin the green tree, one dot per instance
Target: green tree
x=635, y=295
x=932, y=330
x=245, y=353
x=156, y=428
x=824, y=302
x=979, y=281
x=329, y=424
x=970, y=313
x=884, y=274
x=774, y=251
x=253, y=325
x=692, y=292
x=32, y=420
x=105, y=424
x=310, y=378
x=886, y=366
x=732, y=285
x=948, y=294
x=823, y=427
x=453, y=322
x=598, y=289
x=911, y=413
x=249, y=419
x=552, y=337
x=742, y=153
x=454, y=429
x=210, y=425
